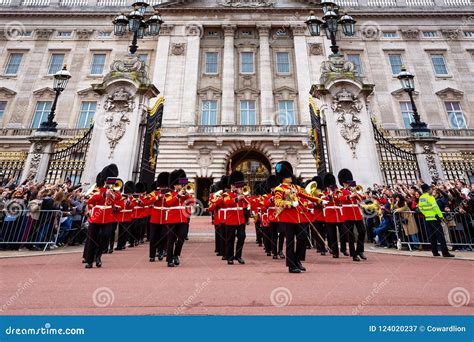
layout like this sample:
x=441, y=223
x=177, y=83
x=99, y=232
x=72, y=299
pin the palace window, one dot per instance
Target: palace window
x=438, y=64
x=286, y=113
x=248, y=112
x=104, y=34
x=14, y=61
x=42, y=110
x=430, y=34
x=246, y=63
x=64, y=34
x=209, y=113
x=98, y=63
x=355, y=58
x=56, y=63
x=469, y=34
x=395, y=63
x=390, y=34
x=211, y=66
x=86, y=115
x=455, y=115
x=3, y=105
x=283, y=62
x=407, y=114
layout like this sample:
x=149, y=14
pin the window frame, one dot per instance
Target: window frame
x=4, y=110
x=390, y=62
x=209, y=121
x=395, y=35
x=206, y=63
x=248, y=111
x=51, y=61
x=42, y=118
x=359, y=56
x=241, y=62
x=289, y=72
x=8, y=63
x=455, y=113
x=409, y=111
x=279, y=123
x=96, y=53
x=438, y=54
x=87, y=122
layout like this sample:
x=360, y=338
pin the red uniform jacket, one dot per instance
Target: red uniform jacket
x=214, y=205
x=158, y=206
x=332, y=209
x=287, y=212
x=350, y=207
x=125, y=214
x=233, y=211
x=141, y=208
x=178, y=208
x=101, y=207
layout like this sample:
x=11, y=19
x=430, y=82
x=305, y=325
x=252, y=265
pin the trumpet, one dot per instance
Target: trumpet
x=189, y=188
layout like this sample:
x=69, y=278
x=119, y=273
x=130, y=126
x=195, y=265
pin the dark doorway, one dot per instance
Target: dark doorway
x=253, y=164
x=202, y=191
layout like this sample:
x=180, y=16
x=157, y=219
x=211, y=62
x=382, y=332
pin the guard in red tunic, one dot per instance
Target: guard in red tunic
x=234, y=203
x=140, y=213
x=158, y=221
x=124, y=216
x=291, y=215
x=352, y=212
x=101, y=216
x=215, y=196
x=318, y=229
x=276, y=231
x=178, y=203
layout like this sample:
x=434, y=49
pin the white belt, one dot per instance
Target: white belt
x=102, y=207
x=350, y=205
x=138, y=207
x=162, y=208
x=226, y=209
x=332, y=207
x=168, y=209
x=126, y=211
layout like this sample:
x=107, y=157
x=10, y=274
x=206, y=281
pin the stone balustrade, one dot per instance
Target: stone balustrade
x=250, y=129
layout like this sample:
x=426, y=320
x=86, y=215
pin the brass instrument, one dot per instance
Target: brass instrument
x=113, y=183
x=246, y=190
x=189, y=188
x=312, y=189
x=359, y=189
x=218, y=193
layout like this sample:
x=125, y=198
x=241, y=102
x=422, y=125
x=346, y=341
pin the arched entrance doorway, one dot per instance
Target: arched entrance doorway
x=253, y=164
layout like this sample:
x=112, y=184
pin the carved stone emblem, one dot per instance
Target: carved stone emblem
x=35, y=159
x=336, y=67
x=84, y=33
x=411, y=33
x=451, y=33
x=315, y=49
x=247, y=3
x=205, y=157
x=347, y=109
x=118, y=107
x=431, y=162
x=178, y=49
x=43, y=33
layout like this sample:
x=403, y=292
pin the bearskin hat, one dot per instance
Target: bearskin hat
x=129, y=188
x=100, y=180
x=236, y=178
x=215, y=187
x=225, y=182
x=163, y=180
x=345, y=176
x=329, y=180
x=319, y=182
x=283, y=170
x=272, y=182
x=177, y=177
x=140, y=187
x=110, y=171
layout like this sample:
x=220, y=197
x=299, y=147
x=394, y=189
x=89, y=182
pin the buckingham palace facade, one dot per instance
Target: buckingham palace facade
x=236, y=75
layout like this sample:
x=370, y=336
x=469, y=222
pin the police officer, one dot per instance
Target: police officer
x=433, y=216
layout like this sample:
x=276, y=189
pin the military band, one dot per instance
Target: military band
x=282, y=211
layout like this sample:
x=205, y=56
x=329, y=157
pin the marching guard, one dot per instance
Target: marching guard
x=124, y=216
x=276, y=232
x=158, y=218
x=318, y=229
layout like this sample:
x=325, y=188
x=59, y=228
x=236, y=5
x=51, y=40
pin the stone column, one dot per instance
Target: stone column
x=117, y=123
x=161, y=58
x=350, y=138
x=302, y=73
x=266, y=87
x=228, y=77
x=428, y=158
x=37, y=162
x=191, y=74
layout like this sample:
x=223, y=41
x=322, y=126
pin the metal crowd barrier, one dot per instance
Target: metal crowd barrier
x=40, y=229
x=457, y=229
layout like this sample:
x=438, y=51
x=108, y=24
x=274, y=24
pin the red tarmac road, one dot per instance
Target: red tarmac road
x=129, y=284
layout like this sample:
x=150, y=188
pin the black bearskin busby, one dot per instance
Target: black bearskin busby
x=345, y=176
x=237, y=178
x=225, y=182
x=162, y=180
x=140, y=188
x=215, y=187
x=272, y=182
x=319, y=182
x=329, y=180
x=129, y=188
x=177, y=177
x=283, y=170
x=99, y=180
x=110, y=171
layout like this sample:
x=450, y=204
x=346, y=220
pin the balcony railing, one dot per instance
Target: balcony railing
x=25, y=132
x=250, y=129
x=442, y=133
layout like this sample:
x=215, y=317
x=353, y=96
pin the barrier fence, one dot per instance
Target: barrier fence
x=410, y=229
x=38, y=229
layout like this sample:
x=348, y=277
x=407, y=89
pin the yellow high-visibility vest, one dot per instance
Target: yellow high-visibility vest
x=428, y=207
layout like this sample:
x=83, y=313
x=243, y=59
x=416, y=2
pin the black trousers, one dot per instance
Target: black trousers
x=258, y=232
x=361, y=231
x=111, y=242
x=134, y=236
x=216, y=238
x=124, y=231
x=157, y=239
x=344, y=234
x=277, y=239
x=295, y=252
x=267, y=237
x=97, y=240
x=436, y=235
x=176, y=234
x=221, y=239
x=318, y=234
x=231, y=233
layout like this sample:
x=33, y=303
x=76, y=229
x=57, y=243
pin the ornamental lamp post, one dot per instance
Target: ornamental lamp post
x=136, y=23
x=330, y=22
x=407, y=80
x=61, y=78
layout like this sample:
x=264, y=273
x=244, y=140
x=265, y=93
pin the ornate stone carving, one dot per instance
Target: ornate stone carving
x=205, y=157
x=44, y=33
x=193, y=30
x=336, y=67
x=315, y=49
x=166, y=29
x=178, y=49
x=130, y=67
x=127, y=65
x=431, y=162
x=411, y=33
x=263, y=30
x=298, y=29
x=35, y=160
x=117, y=106
x=451, y=33
x=347, y=109
x=229, y=30
x=247, y=3
x=84, y=33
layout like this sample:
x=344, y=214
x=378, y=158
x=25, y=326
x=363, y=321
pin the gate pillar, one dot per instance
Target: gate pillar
x=37, y=162
x=120, y=119
x=350, y=137
x=427, y=156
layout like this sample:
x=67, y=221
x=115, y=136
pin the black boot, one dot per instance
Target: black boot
x=300, y=266
x=176, y=260
x=294, y=270
x=98, y=262
x=88, y=265
x=362, y=256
